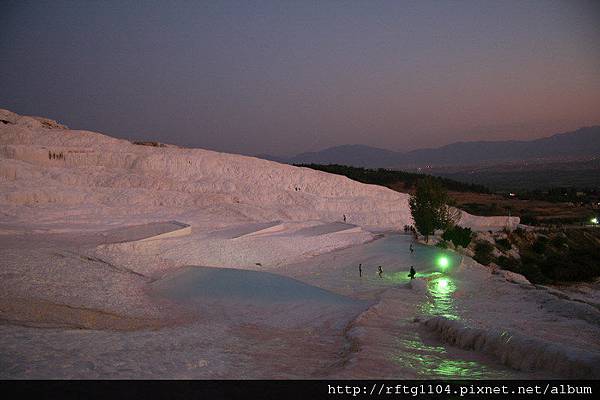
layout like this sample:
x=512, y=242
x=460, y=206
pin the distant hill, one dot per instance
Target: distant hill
x=583, y=142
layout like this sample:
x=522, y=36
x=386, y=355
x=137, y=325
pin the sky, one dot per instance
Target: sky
x=284, y=77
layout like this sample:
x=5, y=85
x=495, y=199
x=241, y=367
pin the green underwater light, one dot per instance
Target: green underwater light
x=443, y=262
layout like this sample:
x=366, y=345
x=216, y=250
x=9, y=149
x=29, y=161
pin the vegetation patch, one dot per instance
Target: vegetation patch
x=483, y=252
x=458, y=236
x=390, y=178
x=503, y=244
x=554, y=256
x=149, y=143
x=442, y=244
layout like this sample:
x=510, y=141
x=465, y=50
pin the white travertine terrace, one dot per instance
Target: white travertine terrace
x=44, y=164
x=90, y=224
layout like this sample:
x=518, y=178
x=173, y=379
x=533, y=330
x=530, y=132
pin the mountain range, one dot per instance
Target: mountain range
x=581, y=143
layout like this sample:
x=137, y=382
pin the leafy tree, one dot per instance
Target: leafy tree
x=429, y=208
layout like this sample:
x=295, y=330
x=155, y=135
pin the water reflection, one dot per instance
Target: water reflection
x=395, y=278
x=433, y=361
x=440, y=299
x=390, y=333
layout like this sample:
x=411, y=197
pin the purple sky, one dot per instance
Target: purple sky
x=283, y=77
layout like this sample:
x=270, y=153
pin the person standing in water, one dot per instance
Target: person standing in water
x=411, y=248
x=344, y=217
x=360, y=270
x=412, y=272
x=380, y=271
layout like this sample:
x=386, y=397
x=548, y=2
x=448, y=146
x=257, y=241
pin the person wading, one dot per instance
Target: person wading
x=412, y=272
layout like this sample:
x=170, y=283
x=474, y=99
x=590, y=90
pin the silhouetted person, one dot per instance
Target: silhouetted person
x=412, y=272
x=411, y=248
x=360, y=270
x=379, y=271
x=344, y=217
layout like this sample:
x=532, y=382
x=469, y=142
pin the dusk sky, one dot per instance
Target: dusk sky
x=283, y=77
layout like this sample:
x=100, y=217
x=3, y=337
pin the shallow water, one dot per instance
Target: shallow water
x=441, y=290
x=328, y=296
x=430, y=359
x=392, y=345
x=193, y=284
x=244, y=296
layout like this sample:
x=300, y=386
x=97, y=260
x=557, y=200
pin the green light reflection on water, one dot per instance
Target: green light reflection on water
x=440, y=301
x=432, y=362
x=397, y=277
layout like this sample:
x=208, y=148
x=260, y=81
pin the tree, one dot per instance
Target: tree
x=429, y=207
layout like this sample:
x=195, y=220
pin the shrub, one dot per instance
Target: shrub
x=504, y=244
x=571, y=265
x=566, y=256
x=459, y=236
x=509, y=263
x=533, y=273
x=540, y=245
x=442, y=244
x=483, y=253
x=532, y=267
x=528, y=219
x=559, y=241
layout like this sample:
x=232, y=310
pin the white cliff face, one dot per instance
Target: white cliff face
x=44, y=164
x=41, y=166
